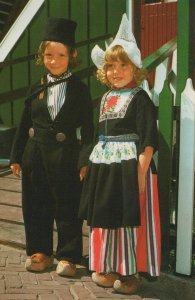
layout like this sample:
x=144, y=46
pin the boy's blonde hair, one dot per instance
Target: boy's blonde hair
x=114, y=54
x=40, y=58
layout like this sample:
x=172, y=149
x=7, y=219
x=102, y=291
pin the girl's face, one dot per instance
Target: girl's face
x=119, y=73
x=56, y=58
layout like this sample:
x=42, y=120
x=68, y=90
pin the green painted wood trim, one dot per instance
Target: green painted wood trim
x=165, y=115
x=154, y=59
x=183, y=25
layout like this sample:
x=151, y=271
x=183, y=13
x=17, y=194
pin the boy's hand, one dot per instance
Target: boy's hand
x=83, y=171
x=16, y=169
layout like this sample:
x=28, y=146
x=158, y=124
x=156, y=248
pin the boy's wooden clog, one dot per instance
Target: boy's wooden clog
x=66, y=268
x=39, y=262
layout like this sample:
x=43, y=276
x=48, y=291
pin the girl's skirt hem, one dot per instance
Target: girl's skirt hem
x=130, y=250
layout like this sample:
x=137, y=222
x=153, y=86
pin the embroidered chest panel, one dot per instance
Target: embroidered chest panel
x=114, y=104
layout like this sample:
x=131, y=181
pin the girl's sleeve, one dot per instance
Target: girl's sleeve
x=146, y=122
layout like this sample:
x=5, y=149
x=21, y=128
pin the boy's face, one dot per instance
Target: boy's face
x=119, y=73
x=56, y=58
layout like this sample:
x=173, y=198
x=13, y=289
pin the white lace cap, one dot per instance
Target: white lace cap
x=125, y=39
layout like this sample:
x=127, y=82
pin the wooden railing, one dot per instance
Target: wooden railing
x=18, y=27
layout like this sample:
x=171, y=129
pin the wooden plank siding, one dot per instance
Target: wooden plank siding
x=158, y=26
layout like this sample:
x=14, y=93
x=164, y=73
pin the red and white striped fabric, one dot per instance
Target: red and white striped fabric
x=130, y=250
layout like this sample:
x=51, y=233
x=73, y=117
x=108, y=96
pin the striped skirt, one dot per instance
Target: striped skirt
x=130, y=250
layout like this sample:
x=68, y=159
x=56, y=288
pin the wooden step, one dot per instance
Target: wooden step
x=7, y=134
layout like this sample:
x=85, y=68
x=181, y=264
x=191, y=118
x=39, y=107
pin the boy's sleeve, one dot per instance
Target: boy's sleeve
x=87, y=128
x=21, y=135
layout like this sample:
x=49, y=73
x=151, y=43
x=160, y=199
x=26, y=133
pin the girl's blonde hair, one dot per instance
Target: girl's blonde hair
x=114, y=54
x=40, y=55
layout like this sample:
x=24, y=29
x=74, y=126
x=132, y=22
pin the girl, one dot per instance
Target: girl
x=52, y=159
x=119, y=199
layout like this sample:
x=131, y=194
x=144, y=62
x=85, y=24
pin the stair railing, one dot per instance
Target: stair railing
x=18, y=27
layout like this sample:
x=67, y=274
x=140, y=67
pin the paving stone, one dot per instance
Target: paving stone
x=92, y=286
x=28, y=278
x=65, y=280
x=30, y=290
x=48, y=297
x=42, y=276
x=13, y=281
x=5, y=272
x=79, y=291
x=65, y=294
x=15, y=258
x=122, y=296
x=150, y=299
x=18, y=297
x=2, y=261
x=2, y=287
x=50, y=283
x=46, y=286
x=102, y=294
x=118, y=297
x=5, y=253
x=15, y=268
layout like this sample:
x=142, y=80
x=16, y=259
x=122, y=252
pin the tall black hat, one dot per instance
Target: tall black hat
x=60, y=30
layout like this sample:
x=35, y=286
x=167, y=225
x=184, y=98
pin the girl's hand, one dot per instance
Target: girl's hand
x=83, y=171
x=141, y=181
x=143, y=164
x=16, y=169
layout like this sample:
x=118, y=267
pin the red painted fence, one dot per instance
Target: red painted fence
x=158, y=25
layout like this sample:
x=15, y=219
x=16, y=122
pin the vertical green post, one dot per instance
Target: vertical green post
x=165, y=116
x=183, y=22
